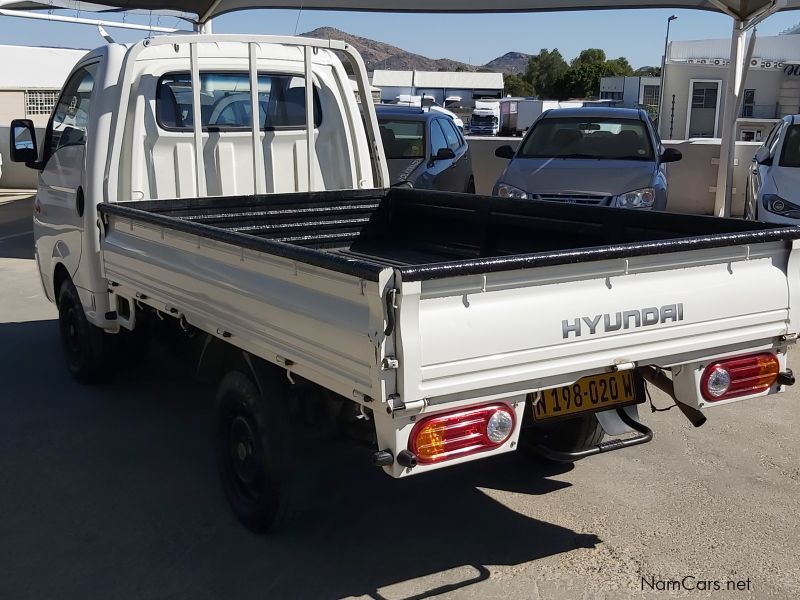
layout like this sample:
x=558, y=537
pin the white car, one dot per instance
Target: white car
x=773, y=183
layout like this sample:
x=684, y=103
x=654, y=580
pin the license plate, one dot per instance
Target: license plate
x=590, y=394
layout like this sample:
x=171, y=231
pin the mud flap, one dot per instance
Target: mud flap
x=613, y=425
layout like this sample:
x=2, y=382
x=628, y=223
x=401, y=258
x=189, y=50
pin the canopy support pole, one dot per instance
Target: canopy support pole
x=737, y=74
x=259, y=178
x=722, y=203
x=311, y=155
x=199, y=159
x=81, y=21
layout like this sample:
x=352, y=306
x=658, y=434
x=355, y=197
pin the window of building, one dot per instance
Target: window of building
x=748, y=135
x=748, y=103
x=650, y=97
x=702, y=119
x=704, y=97
x=40, y=102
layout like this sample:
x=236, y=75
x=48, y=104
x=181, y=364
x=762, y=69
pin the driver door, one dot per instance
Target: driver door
x=59, y=206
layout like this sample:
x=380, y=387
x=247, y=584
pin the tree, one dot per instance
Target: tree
x=619, y=66
x=517, y=86
x=545, y=71
x=582, y=80
x=648, y=72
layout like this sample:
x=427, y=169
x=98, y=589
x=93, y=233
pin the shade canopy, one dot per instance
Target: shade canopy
x=204, y=10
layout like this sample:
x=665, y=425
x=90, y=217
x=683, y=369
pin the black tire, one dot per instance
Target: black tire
x=570, y=435
x=250, y=451
x=86, y=346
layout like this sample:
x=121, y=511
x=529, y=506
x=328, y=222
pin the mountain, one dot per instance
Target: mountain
x=378, y=55
x=511, y=62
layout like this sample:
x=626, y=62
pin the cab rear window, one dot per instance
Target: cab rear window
x=225, y=102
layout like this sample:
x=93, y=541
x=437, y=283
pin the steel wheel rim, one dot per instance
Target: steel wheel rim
x=244, y=455
x=70, y=330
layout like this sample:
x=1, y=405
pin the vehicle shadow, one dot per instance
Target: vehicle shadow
x=111, y=491
x=16, y=228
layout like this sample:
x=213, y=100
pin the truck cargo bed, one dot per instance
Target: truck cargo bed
x=428, y=235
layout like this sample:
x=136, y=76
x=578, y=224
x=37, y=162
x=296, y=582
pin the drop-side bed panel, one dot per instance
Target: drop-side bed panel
x=327, y=324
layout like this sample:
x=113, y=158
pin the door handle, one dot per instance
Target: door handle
x=79, y=201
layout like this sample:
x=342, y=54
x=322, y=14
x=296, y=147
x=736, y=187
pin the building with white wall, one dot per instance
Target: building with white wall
x=696, y=79
x=632, y=92
x=30, y=82
x=468, y=85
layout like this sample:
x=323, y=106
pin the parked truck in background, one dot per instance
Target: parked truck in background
x=485, y=118
x=523, y=112
x=508, y=116
x=436, y=328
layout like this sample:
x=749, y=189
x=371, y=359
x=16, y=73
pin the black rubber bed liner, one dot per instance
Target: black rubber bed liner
x=429, y=235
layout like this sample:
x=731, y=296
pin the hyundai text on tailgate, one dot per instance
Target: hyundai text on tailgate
x=438, y=328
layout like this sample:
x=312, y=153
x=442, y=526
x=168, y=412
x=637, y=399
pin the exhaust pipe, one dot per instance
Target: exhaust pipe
x=664, y=383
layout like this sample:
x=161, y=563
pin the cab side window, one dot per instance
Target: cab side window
x=773, y=144
x=68, y=125
x=773, y=137
x=451, y=134
x=768, y=139
x=438, y=140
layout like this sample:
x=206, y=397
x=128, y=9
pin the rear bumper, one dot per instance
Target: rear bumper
x=394, y=430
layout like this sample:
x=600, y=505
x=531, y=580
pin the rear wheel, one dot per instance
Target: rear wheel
x=250, y=450
x=86, y=347
x=571, y=435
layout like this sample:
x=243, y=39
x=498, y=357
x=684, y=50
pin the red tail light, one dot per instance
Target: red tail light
x=455, y=434
x=739, y=376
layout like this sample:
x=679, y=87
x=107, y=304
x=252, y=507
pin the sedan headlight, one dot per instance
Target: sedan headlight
x=644, y=198
x=509, y=191
x=775, y=204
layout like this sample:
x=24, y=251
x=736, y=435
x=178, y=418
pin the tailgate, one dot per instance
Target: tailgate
x=526, y=329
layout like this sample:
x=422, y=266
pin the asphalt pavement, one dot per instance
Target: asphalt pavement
x=111, y=492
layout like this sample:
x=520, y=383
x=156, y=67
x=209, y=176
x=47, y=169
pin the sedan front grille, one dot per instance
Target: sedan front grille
x=595, y=200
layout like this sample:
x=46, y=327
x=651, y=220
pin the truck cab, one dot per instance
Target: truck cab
x=485, y=118
x=123, y=129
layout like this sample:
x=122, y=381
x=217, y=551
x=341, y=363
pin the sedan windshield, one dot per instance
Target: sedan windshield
x=403, y=139
x=790, y=156
x=601, y=139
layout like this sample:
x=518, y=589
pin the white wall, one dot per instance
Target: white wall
x=12, y=106
x=767, y=84
x=630, y=93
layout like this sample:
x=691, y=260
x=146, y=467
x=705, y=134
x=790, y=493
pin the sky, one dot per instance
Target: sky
x=637, y=35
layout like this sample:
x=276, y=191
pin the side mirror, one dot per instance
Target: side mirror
x=670, y=155
x=506, y=152
x=23, y=142
x=444, y=154
x=762, y=156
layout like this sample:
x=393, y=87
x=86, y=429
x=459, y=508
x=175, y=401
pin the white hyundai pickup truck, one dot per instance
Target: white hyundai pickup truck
x=439, y=328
